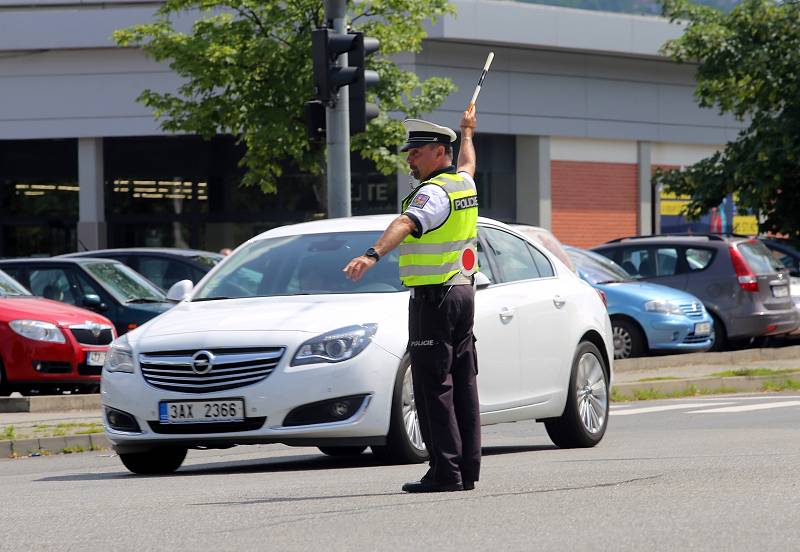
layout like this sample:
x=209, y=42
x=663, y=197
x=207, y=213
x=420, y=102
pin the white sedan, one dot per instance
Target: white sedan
x=275, y=345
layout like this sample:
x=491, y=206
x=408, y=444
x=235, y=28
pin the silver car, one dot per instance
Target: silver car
x=744, y=288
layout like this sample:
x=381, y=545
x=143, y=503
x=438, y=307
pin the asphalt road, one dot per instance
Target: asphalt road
x=715, y=473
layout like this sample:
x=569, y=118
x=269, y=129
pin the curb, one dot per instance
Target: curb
x=692, y=359
x=50, y=403
x=53, y=445
x=732, y=384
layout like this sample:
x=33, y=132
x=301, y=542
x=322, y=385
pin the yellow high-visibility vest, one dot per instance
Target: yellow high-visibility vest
x=439, y=254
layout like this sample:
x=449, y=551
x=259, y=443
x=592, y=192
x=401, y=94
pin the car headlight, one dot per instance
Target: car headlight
x=120, y=356
x=38, y=330
x=335, y=346
x=662, y=306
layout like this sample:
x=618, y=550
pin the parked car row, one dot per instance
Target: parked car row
x=58, y=315
x=745, y=289
x=702, y=292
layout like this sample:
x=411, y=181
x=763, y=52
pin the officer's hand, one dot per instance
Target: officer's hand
x=356, y=268
x=469, y=118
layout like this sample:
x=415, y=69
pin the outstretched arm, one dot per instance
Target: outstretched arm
x=397, y=231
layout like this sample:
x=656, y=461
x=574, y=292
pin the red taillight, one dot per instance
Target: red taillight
x=602, y=295
x=747, y=280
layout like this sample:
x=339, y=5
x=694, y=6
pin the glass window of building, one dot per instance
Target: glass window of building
x=38, y=197
x=182, y=191
x=495, y=175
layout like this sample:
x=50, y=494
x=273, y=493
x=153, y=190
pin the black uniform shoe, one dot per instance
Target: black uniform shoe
x=427, y=486
x=468, y=485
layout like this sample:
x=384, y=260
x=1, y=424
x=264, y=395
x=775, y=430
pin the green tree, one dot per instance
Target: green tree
x=749, y=66
x=246, y=70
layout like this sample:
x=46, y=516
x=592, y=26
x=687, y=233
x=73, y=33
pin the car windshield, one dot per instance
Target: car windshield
x=596, y=269
x=209, y=261
x=126, y=285
x=10, y=287
x=300, y=265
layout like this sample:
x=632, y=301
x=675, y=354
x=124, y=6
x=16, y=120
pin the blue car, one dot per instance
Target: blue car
x=645, y=317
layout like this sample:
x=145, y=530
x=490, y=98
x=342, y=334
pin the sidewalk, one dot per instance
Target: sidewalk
x=761, y=369
x=74, y=423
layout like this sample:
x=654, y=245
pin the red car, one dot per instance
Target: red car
x=47, y=345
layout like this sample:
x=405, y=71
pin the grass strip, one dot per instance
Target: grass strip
x=753, y=372
x=651, y=394
x=785, y=385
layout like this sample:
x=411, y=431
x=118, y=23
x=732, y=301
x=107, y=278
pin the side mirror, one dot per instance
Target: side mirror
x=93, y=302
x=481, y=280
x=180, y=291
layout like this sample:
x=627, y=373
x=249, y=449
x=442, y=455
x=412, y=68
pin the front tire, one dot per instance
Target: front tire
x=158, y=461
x=629, y=339
x=585, y=416
x=404, y=444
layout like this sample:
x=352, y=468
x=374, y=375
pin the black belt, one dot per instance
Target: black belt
x=430, y=293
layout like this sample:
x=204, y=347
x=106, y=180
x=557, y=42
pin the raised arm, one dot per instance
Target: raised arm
x=466, y=153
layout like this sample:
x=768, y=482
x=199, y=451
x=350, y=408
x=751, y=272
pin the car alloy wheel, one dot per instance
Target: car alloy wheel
x=591, y=393
x=585, y=417
x=623, y=342
x=410, y=416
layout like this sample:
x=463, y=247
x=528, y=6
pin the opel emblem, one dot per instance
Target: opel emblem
x=202, y=362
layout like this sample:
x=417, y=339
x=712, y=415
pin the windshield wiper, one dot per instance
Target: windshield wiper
x=611, y=282
x=209, y=298
x=145, y=300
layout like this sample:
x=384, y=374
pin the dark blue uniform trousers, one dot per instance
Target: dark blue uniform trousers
x=444, y=366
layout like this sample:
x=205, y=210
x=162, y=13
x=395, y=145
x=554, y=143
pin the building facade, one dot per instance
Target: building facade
x=578, y=110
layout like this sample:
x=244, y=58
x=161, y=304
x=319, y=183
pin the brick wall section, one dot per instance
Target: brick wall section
x=593, y=202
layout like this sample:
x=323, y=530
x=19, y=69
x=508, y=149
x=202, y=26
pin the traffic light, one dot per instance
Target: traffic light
x=326, y=46
x=362, y=111
x=315, y=121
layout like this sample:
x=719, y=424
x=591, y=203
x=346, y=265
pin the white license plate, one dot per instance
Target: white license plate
x=702, y=328
x=177, y=412
x=95, y=358
x=780, y=291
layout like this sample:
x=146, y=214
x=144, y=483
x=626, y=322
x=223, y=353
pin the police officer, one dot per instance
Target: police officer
x=437, y=235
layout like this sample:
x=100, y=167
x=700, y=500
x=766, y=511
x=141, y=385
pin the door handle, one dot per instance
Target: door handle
x=506, y=314
x=559, y=301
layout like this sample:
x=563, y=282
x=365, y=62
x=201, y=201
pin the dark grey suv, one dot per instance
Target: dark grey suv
x=743, y=287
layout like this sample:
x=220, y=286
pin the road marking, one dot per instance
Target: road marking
x=745, y=408
x=662, y=408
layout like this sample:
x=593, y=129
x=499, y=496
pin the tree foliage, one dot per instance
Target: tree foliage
x=749, y=66
x=245, y=69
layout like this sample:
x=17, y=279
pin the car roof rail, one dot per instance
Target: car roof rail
x=710, y=236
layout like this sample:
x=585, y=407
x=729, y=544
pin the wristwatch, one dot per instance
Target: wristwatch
x=372, y=254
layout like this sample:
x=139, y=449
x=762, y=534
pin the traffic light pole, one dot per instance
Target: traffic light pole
x=337, y=120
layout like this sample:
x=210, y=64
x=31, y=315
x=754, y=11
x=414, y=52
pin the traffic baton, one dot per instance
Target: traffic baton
x=486, y=65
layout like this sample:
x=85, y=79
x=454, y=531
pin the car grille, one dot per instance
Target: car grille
x=692, y=310
x=230, y=368
x=100, y=336
x=691, y=338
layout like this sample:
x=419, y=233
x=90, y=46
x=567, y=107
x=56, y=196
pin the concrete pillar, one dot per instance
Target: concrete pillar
x=91, y=200
x=645, y=189
x=534, y=203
